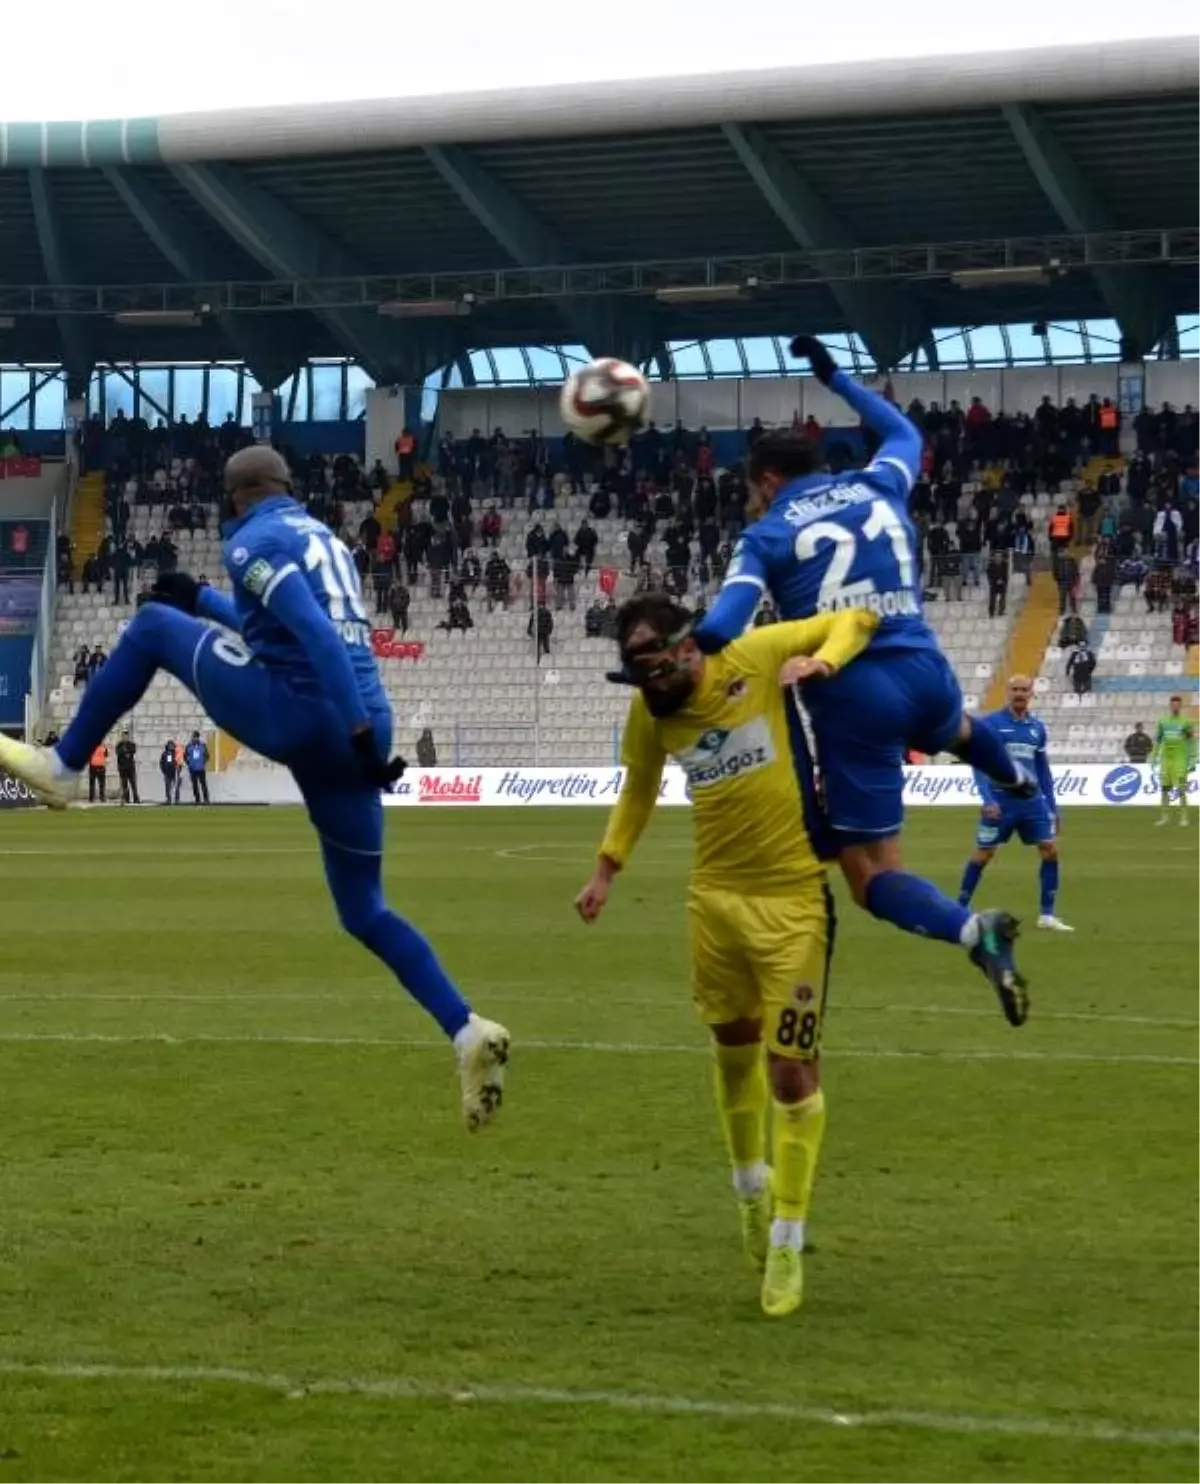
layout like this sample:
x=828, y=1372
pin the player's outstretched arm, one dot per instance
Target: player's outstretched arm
x=734, y=607
x=828, y=642
x=290, y=601
x=1045, y=778
x=643, y=759
x=181, y=590
x=218, y=607
x=901, y=442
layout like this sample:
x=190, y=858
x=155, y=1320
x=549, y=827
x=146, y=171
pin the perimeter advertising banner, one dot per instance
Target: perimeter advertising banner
x=254, y=781
x=1086, y=783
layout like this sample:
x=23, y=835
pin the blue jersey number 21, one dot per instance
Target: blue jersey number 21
x=836, y=592
x=326, y=556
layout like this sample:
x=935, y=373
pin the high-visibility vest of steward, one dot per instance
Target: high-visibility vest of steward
x=1060, y=526
x=1108, y=417
x=99, y=758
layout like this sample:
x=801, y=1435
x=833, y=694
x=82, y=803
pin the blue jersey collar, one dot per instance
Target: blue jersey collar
x=273, y=503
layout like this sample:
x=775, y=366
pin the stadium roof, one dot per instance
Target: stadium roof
x=888, y=198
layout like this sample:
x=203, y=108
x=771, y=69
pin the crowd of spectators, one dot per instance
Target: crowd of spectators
x=681, y=512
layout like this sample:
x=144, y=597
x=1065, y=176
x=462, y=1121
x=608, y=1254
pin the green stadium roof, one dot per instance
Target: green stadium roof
x=835, y=198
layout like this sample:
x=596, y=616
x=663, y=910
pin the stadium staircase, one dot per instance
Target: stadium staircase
x=1101, y=463
x=1029, y=638
x=89, y=518
x=389, y=506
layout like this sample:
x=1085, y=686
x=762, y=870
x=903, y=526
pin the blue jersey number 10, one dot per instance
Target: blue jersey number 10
x=326, y=556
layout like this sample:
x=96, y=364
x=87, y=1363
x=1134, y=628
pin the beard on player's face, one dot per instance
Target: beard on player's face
x=670, y=694
x=668, y=683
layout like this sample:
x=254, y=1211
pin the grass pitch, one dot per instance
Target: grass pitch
x=244, y=1236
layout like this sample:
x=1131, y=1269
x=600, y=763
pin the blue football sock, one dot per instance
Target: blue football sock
x=159, y=638
x=1048, y=881
x=984, y=749
x=970, y=880
x=916, y=905
x=356, y=885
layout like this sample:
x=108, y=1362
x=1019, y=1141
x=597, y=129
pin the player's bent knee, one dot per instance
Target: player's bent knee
x=793, y=1080
x=1048, y=852
x=149, y=623
x=862, y=862
x=737, y=1032
x=360, y=916
x=166, y=635
x=982, y=857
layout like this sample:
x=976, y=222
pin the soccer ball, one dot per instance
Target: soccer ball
x=605, y=401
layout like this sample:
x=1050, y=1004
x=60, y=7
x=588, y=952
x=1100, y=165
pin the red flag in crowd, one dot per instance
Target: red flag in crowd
x=24, y=467
x=608, y=581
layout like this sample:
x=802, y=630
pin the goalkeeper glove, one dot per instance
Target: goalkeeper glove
x=807, y=347
x=377, y=770
x=177, y=590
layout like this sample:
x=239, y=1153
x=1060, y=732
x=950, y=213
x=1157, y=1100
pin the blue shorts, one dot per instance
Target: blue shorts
x=261, y=708
x=863, y=722
x=1033, y=826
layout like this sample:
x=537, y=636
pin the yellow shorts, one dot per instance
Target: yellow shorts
x=764, y=958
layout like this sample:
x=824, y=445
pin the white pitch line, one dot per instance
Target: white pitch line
x=626, y=1048
x=405, y=1388
x=1171, y=1022
x=205, y=848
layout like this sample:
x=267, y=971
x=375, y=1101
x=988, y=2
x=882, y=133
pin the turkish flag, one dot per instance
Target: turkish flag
x=608, y=581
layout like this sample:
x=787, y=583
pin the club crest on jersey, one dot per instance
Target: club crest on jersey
x=734, y=689
x=804, y=994
x=240, y=556
x=711, y=741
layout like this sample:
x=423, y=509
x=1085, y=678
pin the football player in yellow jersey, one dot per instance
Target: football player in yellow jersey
x=759, y=910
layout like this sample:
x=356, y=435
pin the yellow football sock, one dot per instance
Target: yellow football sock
x=798, y=1131
x=741, y=1087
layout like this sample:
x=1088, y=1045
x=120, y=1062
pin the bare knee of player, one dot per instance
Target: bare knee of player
x=983, y=856
x=744, y=1032
x=865, y=860
x=794, y=1078
x=1048, y=850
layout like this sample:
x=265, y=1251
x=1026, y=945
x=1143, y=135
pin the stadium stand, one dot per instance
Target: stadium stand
x=343, y=333
x=465, y=662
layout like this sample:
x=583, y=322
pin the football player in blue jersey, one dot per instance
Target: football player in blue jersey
x=286, y=667
x=1034, y=821
x=832, y=541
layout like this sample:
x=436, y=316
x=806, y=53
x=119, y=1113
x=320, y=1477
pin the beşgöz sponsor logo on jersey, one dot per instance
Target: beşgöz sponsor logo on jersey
x=1121, y=784
x=720, y=754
